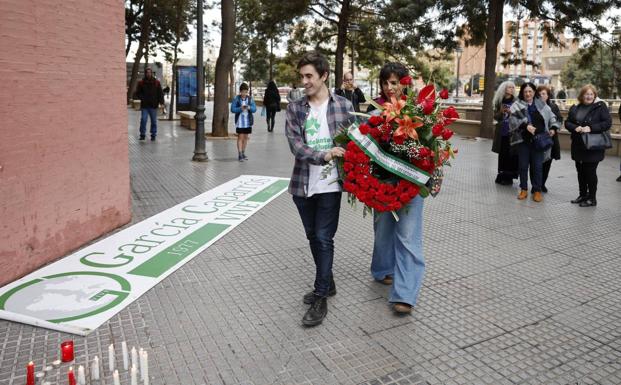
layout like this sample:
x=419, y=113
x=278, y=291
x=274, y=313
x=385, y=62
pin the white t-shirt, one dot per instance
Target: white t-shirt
x=319, y=139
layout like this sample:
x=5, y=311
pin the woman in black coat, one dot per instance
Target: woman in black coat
x=271, y=102
x=507, y=159
x=544, y=93
x=589, y=115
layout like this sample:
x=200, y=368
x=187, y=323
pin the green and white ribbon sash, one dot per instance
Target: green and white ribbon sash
x=389, y=162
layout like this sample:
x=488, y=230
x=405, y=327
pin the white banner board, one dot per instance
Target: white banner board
x=85, y=289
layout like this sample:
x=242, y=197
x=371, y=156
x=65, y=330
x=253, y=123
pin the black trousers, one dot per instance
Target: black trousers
x=271, y=118
x=546, y=171
x=587, y=178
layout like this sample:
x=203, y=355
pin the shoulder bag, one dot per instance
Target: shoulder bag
x=597, y=141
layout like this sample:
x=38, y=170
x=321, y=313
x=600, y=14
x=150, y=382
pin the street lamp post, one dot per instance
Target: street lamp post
x=200, y=155
x=458, y=52
x=353, y=28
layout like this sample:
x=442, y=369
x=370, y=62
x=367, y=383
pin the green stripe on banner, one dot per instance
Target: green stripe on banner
x=169, y=257
x=269, y=191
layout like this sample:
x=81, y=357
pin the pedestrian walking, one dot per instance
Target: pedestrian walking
x=294, y=93
x=397, y=258
x=243, y=107
x=544, y=93
x=312, y=122
x=271, y=102
x=507, y=159
x=351, y=92
x=151, y=96
x=530, y=122
x=589, y=116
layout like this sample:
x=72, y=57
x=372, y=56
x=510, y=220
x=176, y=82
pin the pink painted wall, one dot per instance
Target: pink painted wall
x=64, y=170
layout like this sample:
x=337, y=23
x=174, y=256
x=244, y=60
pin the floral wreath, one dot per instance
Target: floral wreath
x=413, y=130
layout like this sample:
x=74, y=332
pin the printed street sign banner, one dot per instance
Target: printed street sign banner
x=83, y=290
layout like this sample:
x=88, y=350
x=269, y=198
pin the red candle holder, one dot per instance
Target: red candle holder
x=30, y=374
x=66, y=351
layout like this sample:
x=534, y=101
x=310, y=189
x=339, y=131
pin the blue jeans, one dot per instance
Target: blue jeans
x=320, y=217
x=528, y=156
x=152, y=114
x=398, y=251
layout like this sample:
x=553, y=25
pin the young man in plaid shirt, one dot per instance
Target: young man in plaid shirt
x=312, y=123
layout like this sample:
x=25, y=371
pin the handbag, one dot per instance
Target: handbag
x=597, y=141
x=542, y=141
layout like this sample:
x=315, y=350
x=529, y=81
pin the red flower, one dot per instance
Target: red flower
x=375, y=133
x=428, y=106
x=404, y=198
x=424, y=152
x=364, y=128
x=437, y=129
x=427, y=93
x=446, y=134
x=444, y=94
x=404, y=97
x=406, y=80
x=450, y=114
x=376, y=120
x=398, y=139
x=348, y=166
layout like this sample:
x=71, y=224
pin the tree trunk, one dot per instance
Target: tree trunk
x=145, y=28
x=271, y=58
x=494, y=34
x=173, y=87
x=232, y=83
x=146, y=56
x=341, y=41
x=223, y=67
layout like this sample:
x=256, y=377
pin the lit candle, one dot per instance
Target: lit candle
x=134, y=375
x=115, y=378
x=81, y=375
x=30, y=377
x=125, y=355
x=144, y=367
x=111, y=357
x=135, y=357
x=66, y=351
x=140, y=359
x=95, y=369
x=71, y=376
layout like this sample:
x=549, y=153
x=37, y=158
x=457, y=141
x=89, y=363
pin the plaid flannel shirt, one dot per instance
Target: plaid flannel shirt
x=297, y=113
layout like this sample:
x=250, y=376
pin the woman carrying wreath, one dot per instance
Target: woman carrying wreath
x=398, y=245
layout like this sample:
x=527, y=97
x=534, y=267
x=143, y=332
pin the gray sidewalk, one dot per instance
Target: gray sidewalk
x=516, y=292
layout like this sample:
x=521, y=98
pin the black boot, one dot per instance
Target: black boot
x=580, y=199
x=310, y=296
x=588, y=202
x=316, y=312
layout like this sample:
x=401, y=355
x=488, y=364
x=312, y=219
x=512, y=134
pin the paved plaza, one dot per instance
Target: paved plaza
x=516, y=292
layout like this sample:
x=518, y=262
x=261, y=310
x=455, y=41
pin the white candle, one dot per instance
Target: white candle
x=125, y=355
x=81, y=375
x=144, y=367
x=95, y=369
x=140, y=359
x=134, y=375
x=111, y=357
x=135, y=357
x=115, y=378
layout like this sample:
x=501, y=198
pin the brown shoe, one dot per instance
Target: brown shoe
x=387, y=280
x=523, y=194
x=402, y=308
x=537, y=196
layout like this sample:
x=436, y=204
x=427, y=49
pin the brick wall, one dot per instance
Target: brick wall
x=64, y=171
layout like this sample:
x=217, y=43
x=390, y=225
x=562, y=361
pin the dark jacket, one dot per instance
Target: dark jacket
x=150, y=93
x=236, y=108
x=499, y=117
x=556, y=147
x=598, y=119
x=543, y=119
x=356, y=97
x=271, y=100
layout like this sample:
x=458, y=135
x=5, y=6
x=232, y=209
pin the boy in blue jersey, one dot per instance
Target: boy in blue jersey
x=243, y=107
